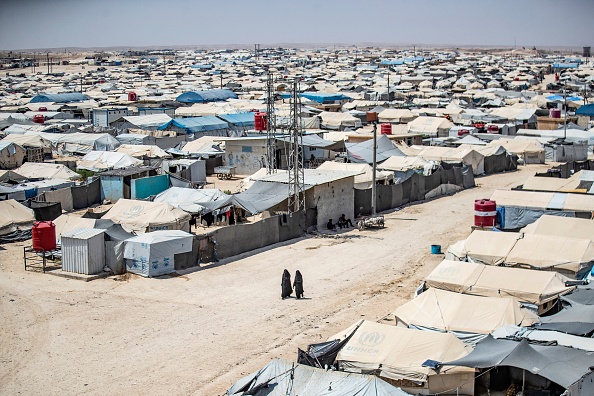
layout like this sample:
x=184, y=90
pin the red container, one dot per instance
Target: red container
x=555, y=113
x=132, y=97
x=462, y=132
x=260, y=121
x=44, y=236
x=386, y=129
x=485, y=213
x=492, y=129
x=42, y=109
x=38, y=119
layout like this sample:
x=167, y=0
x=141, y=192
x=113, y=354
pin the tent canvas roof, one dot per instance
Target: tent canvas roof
x=44, y=170
x=363, y=179
x=363, y=152
x=397, y=163
x=544, y=200
x=448, y=311
x=531, y=286
x=141, y=216
x=398, y=352
x=14, y=216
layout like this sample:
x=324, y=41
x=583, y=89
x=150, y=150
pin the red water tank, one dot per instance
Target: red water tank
x=38, y=119
x=42, y=109
x=44, y=236
x=485, y=213
x=260, y=121
x=386, y=129
x=132, y=97
x=462, y=132
x=555, y=113
x=492, y=129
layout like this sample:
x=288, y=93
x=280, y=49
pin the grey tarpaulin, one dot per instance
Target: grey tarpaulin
x=86, y=195
x=45, y=211
x=562, y=365
x=577, y=320
x=317, y=142
x=280, y=378
x=582, y=295
x=363, y=152
x=515, y=217
x=262, y=196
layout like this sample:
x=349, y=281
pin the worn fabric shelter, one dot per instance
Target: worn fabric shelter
x=563, y=366
x=364, y=178
x=363, y=152
x=576, y=319
x=467, y=317
x=98, y=161
x=44, y=170
x=195, y=200
x=144, y=216
x=15, y=217
x=399, y=354
x=529, y=286
x=279, y=375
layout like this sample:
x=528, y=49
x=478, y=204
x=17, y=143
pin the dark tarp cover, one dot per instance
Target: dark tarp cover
x=363, y=152
x=314, y=140
x=562, y=365
x=577, y=320
x=582, y=295
x=281, y=378
x=262, y=196
x=45, y=211
x=323, y=354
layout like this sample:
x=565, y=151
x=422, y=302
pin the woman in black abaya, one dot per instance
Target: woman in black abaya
x=287, y=289
x=298, y=284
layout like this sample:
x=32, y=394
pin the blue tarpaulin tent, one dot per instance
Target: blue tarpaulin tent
x=200, y=124
x=59, y=98
x=586, y=110
x=320, y=97
x=211, y=95
x=239, y=119
x=559, y=98
x=565, y=65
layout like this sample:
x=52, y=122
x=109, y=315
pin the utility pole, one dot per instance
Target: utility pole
x=221, y=75
x=270, y=126
x=373, y=187
x=565, y=115
x=48, y=64
x=296, y=174
x=388, y=84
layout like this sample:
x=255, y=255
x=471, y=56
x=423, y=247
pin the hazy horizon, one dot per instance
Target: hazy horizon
x=35, y=24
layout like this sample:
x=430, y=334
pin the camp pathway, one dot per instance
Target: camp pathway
x=197, y=333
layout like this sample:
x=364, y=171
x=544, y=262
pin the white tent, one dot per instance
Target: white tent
x=143, y=151
x=44, y=170
x=102, y=160
x=339, y=121
x=400, y=116
x=430, y=126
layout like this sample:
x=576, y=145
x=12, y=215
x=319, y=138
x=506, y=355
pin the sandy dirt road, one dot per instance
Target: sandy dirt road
x=197, y=333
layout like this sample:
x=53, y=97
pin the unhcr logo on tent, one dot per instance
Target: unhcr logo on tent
x=371, y=339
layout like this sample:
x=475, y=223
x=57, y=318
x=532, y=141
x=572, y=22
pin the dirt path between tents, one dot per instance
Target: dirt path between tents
x=197, y=333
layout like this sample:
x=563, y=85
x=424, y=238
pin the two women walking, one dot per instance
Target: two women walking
x=287, y=288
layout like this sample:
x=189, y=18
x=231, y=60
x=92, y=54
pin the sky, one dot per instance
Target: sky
x=36, y=24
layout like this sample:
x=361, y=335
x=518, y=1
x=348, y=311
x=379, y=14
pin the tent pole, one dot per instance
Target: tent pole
x=523, y=380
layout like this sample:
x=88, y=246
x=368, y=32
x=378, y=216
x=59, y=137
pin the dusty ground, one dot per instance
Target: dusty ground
x=197, y=333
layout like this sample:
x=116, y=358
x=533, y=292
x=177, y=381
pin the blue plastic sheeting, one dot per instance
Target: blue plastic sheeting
x=59, y=98
x=239, y=119
x=201, y=66
x=320, y=97
x=414, y=59
x=586, y=110
x=393, y=62
x=200, y=124
x=212, y=95
x=565, y=65
x=559, y=98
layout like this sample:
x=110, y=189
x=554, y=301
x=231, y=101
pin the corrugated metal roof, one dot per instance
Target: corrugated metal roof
x=312, y=177
x=82, y=233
